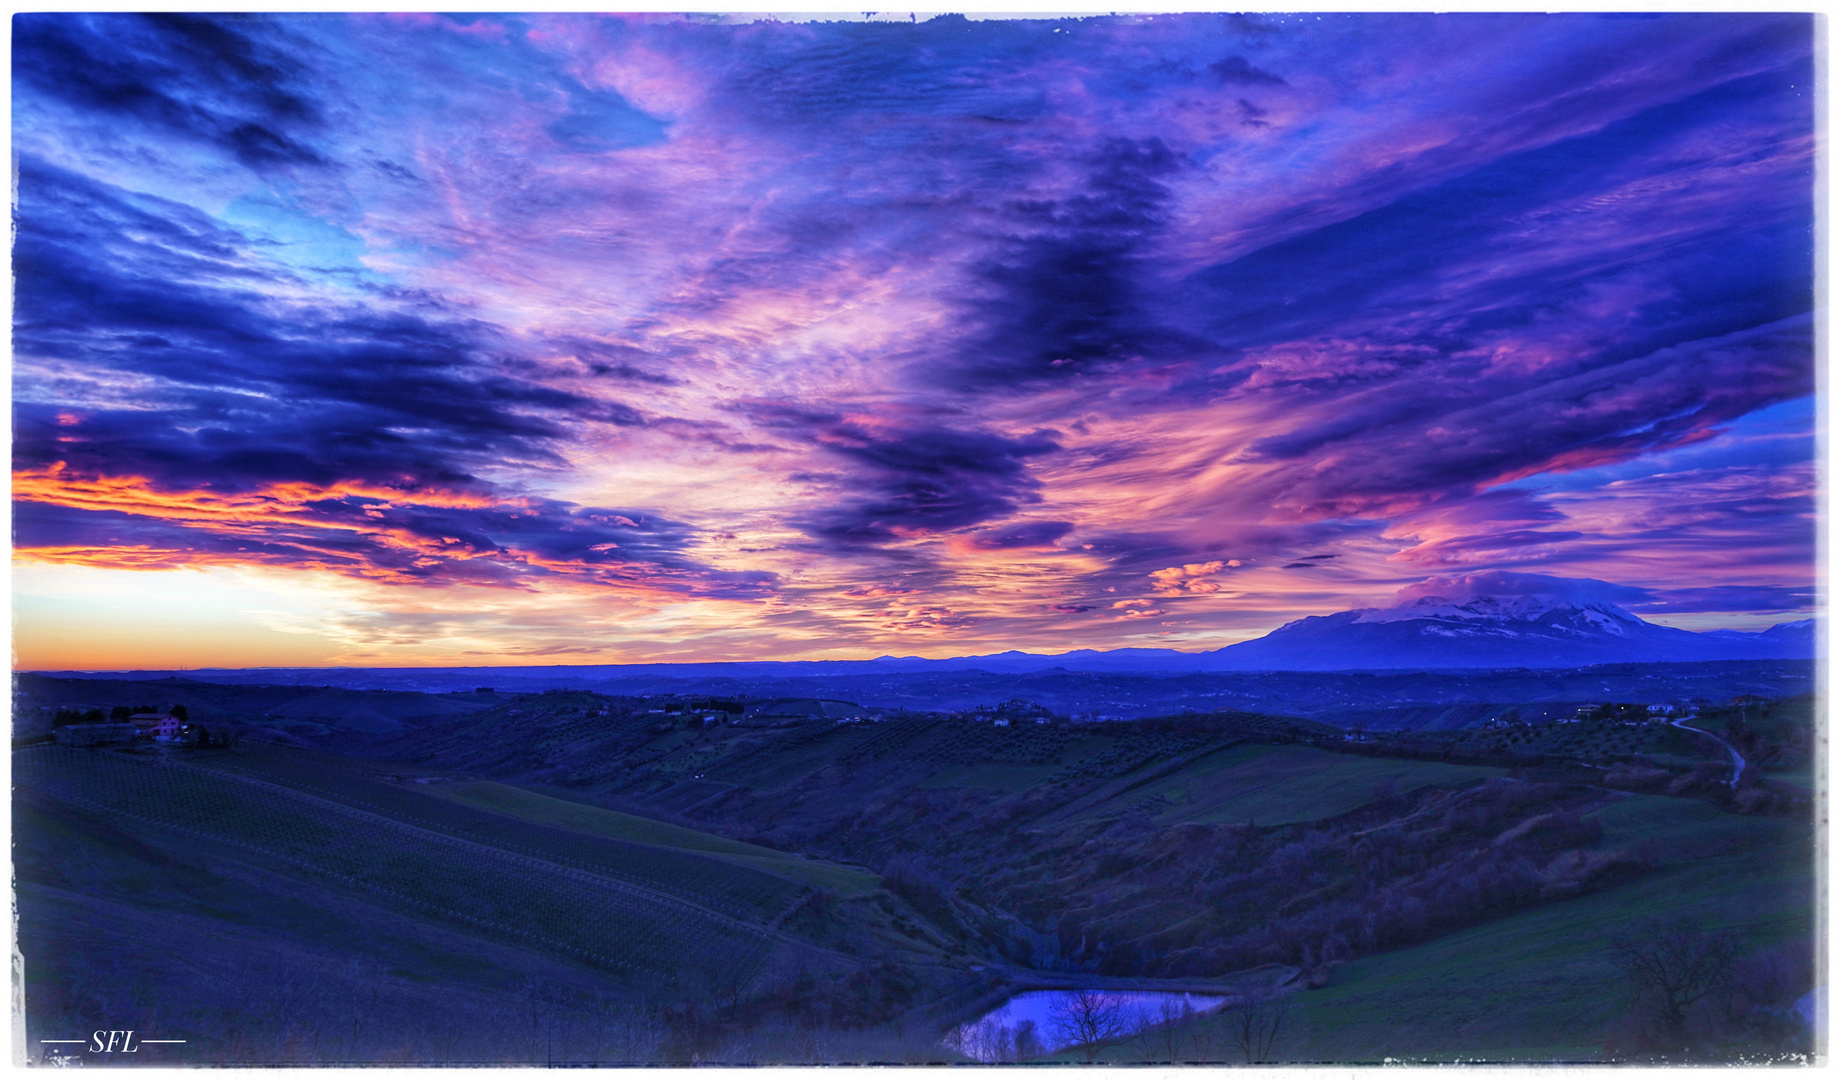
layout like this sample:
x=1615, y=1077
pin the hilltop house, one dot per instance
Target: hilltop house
x=157, y=725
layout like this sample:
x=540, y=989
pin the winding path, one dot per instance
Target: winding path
x=1737, y=759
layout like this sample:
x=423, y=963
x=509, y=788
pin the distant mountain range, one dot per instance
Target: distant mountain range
x=1564, y=626
x=1526, y=630
x=1431, y=633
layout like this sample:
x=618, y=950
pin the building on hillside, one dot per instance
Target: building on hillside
x=1661, y=710
x=157, y=725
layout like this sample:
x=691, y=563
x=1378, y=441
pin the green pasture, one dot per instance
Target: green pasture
x=525, y=805
x=745, y=888
x=627, y=930
x=1801, y=775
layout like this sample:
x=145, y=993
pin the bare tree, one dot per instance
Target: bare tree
x=1086, y=1018
x=1028, y=1043
x=1254, y=1018
x=726, y=980
x=629, y=1033
x=542, y=1002
x=990, y=1040
x=1671, y=966
x=1158, y=1032
x=1172, y=1019
x=1201, y=1042
x=808, y=1045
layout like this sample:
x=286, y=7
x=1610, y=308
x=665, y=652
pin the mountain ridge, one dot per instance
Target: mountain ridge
x=1301, y=645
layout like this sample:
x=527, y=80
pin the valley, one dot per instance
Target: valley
x=593, y=878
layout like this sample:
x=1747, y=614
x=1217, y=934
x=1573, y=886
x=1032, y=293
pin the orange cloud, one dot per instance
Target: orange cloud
x=1190, y=578
x=348, y=528
x=274, y=503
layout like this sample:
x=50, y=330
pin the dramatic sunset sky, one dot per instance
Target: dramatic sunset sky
x=578, y=339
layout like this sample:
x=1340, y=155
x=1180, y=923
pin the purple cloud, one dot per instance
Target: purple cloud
x=927, y=335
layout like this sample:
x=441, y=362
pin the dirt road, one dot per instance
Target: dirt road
x=1737, y=759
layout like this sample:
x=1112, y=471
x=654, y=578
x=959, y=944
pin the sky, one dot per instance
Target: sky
x=401, y=340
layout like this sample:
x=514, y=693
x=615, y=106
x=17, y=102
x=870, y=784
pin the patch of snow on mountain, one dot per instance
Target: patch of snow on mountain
x=1601, y=616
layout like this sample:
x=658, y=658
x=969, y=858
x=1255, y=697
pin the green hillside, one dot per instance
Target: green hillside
x=525, y=805
x=1544, y=985
x=615, y=922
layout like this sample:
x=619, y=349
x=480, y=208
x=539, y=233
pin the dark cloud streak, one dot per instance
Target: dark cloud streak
x=251, y=390
x=1067, y=299
x=220, y=79
x=925, y=481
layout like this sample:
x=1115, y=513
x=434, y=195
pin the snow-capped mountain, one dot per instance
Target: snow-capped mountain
x=1521, y=620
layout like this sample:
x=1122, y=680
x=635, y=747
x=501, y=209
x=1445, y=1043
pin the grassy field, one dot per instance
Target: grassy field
x=525, y=805
x=736, y=889
x=178, y=937
x=1801, y=776
x=621, y=927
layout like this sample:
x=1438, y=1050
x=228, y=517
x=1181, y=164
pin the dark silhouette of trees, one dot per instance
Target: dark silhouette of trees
x=993, y=1042
x=1671, y=966
x=1164, y=1032
x=1087, y=1018
x=1028, y=1044
x=1254, y=1019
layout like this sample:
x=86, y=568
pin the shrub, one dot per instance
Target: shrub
x=914, y=879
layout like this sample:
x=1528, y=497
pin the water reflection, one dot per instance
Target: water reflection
x=1042, y=1021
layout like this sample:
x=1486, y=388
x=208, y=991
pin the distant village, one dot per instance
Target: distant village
x=1629, y=715
x=151, y=727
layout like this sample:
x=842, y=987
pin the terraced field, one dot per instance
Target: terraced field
x=617, y=925
x=1279, y=785
x=991, y=777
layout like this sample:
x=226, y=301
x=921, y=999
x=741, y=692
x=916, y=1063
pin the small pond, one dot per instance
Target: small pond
x=1043, y=1021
